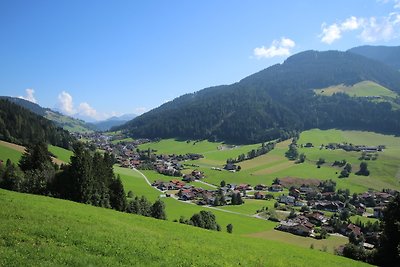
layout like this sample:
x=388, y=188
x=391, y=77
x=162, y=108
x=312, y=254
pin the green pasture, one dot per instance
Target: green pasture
x=42, y=231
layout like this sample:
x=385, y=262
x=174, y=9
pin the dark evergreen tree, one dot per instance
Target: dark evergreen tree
x=229, y=228
x=36, y=157
x=158, y=210
x=389, y=243
x=205, y=219
x=363, y=169
x=117, y=195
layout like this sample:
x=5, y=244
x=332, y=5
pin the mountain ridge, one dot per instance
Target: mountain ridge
x=389, y=55
x=276, y=102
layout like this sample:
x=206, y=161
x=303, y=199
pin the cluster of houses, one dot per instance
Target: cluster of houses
x=201, y=196
x=357, y=148
x=171, y=165
x=305, y=224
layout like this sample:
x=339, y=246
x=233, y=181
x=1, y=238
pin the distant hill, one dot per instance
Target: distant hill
x=20, y=125
x=66, y=122
x=113, y=122
x=277, y=102
x=389, y=55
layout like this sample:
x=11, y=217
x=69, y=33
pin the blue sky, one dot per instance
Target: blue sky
x=95, y=59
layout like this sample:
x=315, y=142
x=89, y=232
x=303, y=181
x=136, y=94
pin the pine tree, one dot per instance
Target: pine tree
x=388, y=251
x=158, y=210
x=229, y=228
x=117, y=195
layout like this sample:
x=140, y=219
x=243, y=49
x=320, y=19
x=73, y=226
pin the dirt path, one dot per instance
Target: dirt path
x=144, y=176
x=210, y=185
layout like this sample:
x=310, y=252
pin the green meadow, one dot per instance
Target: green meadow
x=385, y=171
x=10, y=151
x=42, y=231
x=61, y=153
x=365, y=88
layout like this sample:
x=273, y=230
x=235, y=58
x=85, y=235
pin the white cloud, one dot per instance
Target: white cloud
x=29, y=95
x=383, y=29
x=396, y=4
x=277, y=49
x=86, y=110
x=351, y=24
x=65, y=103
x=372, y=29
x=330, y=33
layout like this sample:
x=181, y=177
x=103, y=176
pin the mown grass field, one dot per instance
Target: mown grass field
x=42, y=231
x=365, y=88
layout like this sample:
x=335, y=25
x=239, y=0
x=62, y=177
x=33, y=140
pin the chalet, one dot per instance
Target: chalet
x=242, y=187
x=260, y=187
x=259, y=195
x=186, y=195
x=308, y=145
x=275, y=188
x=297, y=228
x=230, y=167
x=360, y=209
x=306, y=189
x=197, y=174
x=378, y=212
x=317, y=218
x=351, y=228
x=188, y=178
x=333, y=206
x=294, y=192
x=382, y=197
x=288, y=200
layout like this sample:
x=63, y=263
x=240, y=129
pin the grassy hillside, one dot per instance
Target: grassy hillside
x=36, y=230
x=365, y=88
x=376, y=92
x=14, y=152
x=10, y=151
x=61, y=153
x=68, y=123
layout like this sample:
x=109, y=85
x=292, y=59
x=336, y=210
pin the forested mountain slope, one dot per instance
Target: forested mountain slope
x=21, y=126
x=278, y=101
x=389, y=55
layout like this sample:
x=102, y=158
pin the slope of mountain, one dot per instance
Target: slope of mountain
x=21, y=126
x=43, y=231
x=66, y=122
x=113, y=122
x=389, y=55
x=278, y=101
